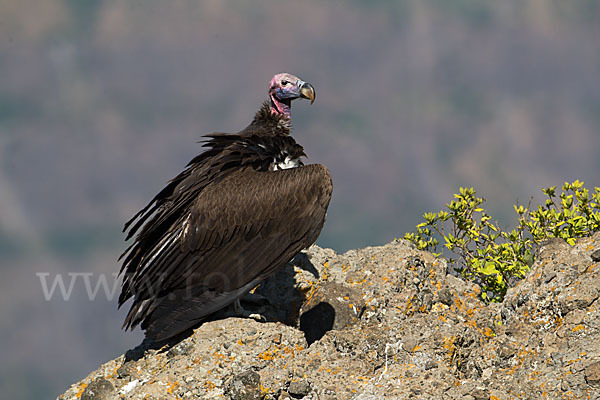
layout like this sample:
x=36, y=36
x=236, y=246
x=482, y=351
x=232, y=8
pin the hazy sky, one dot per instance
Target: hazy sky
x=103, y=102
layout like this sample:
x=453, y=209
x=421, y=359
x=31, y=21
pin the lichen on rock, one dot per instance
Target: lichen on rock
x=386, y=322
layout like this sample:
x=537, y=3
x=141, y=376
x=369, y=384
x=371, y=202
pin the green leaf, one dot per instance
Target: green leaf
x=489, y=269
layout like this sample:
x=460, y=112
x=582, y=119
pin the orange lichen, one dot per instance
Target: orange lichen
x=558, y=321
x=274, y=352
x=113, y=373
x=408, y=307
x=82, y=387
x=488, y=332
x=172, y=387
x=325, y=272
x=209, y=385
x=458, y=303
x=471, y=323
x=568, y=395
x=533, y=375
x=450, y=346
x=263, y=389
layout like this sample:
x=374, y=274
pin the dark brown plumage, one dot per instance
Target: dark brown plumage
x=237, y=213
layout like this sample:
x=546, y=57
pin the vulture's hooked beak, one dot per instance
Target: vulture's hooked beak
x=307, y=91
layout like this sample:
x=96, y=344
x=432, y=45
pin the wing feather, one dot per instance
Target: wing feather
x=225, y=230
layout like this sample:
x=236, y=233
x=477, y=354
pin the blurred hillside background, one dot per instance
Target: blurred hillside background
x=102, y=102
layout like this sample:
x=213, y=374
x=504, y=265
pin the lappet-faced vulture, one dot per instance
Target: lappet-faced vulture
x=239, y=211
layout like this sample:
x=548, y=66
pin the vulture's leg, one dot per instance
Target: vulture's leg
x=242, y=312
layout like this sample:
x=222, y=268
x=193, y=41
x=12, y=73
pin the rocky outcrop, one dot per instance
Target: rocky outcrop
x=385, y=322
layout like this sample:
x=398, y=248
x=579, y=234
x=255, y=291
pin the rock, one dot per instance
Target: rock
x=480, y=394
x=331, y=306
x=128, y=371
x=592, y=374
x=244, y=386
x=445, y=297
x=595, y=256
x=99, y=389
x=417, y=332
x=298, y=389
x=182, y=348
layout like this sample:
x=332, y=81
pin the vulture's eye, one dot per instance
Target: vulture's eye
x=284, y=83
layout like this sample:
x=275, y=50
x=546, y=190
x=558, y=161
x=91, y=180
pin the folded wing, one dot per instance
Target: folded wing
x=231, y=233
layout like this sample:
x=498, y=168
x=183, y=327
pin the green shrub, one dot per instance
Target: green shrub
x=494, y=258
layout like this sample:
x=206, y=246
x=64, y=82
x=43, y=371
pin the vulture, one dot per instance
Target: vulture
x=239, y=211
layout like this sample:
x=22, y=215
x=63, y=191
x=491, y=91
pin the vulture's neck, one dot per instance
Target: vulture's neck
x=269, y=122
x=279, y=107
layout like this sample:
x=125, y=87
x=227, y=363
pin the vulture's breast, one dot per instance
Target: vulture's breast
x=285, y=161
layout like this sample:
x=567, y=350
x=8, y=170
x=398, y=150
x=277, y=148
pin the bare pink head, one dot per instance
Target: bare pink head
x=284, y=88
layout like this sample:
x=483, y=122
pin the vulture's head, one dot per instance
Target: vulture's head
x=286, y=87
